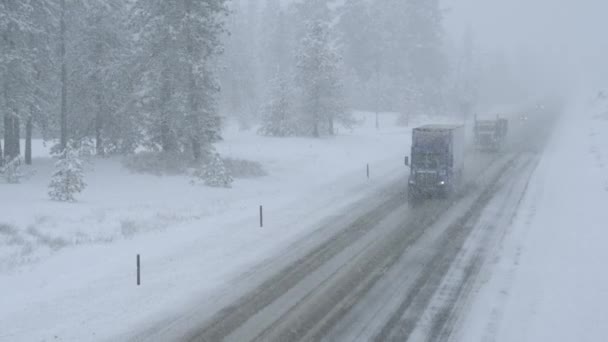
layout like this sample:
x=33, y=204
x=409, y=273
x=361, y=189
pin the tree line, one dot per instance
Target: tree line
x=122, y=74
x=156, y=74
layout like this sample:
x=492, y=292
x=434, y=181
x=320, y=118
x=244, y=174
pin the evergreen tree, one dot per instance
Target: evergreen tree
x=178, y=42
x=67, y=181
x=358, y=37
x=276, y=44
x=26, y=70
x=394, y=50
x=17, y=72
x=427, y=66
x=100, y=80
x=278, y=115
x=240, y=77
x=318, y=77
x=12, y=170
x=213, y=172
x=307, y=11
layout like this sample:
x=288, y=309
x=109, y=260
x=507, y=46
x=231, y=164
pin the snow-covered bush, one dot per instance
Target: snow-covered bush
x=67, y=180
x=240, y=168
x=12, y=170
x=158, y=163
x=213, y=172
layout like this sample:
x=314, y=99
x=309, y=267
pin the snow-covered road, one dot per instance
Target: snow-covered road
x=67, y=269
x=547, y=279
x=346, y=260
x=386, y=272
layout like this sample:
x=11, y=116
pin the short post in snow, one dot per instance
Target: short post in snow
x=261, y=217
x=377, y=121
x=367, y=171
x=138, y=271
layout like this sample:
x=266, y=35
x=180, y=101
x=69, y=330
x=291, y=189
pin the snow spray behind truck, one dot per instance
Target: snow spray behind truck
x=437, y=161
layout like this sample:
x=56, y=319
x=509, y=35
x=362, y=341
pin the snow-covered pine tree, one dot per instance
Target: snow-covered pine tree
x=427, y=66
x=68, y=179
x=318, y=77
x=26, y=70
x=309, y=11
x=12, y=170
x=213, y=172
x=276, y=43
x=277, y=113
x=177, y=44
x=359, y=40
x=239, y=76
x=100, y=75
x=363, y=43
x=16, y=72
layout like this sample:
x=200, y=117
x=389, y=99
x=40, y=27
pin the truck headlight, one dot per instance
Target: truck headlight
x=442, y=183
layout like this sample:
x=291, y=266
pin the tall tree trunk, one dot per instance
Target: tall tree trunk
x=330, y=125
x=99, y=115
x=17, y=135
x=1, y=155
x=197, y=149
x=64, y=88
x=99, y=126
x=167, y=141
x=8, y=128
x=11, y=136
x=195, y=129
x=316, y=116
x=28, y=141
x=98, y=137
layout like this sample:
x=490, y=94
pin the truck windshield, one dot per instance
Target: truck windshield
x=422, y=160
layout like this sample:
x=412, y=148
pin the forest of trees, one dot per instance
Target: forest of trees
x=164, y=75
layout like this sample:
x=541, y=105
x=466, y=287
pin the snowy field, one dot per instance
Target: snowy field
x=68, y=269
x=547, y=281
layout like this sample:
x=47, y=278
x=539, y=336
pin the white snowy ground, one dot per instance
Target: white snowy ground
x=548, y=281
x=67, y=270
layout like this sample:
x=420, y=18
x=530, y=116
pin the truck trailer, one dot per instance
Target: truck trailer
x=490, y=135
x=437, y=161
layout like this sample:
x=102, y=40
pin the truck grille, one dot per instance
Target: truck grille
x=426, y=178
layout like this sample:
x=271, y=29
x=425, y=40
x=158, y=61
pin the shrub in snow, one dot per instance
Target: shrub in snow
x=67, y=180
x=12, y=170
x=240, y=168
x=158, y=163
x=213, y=172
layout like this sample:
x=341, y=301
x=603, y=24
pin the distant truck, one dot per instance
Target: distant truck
x=490, y=135
x=437, y=161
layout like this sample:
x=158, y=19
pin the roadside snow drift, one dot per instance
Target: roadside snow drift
x=548, y=281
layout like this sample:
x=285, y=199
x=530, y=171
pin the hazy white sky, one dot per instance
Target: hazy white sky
x=571, y=34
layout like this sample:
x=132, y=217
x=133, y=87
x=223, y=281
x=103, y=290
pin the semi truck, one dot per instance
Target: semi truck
x=490, y=135
x=437, y=161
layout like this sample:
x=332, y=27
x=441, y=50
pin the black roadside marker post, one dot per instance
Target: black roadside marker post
x=138, y=271
x=367, y=171
x=261, y=217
